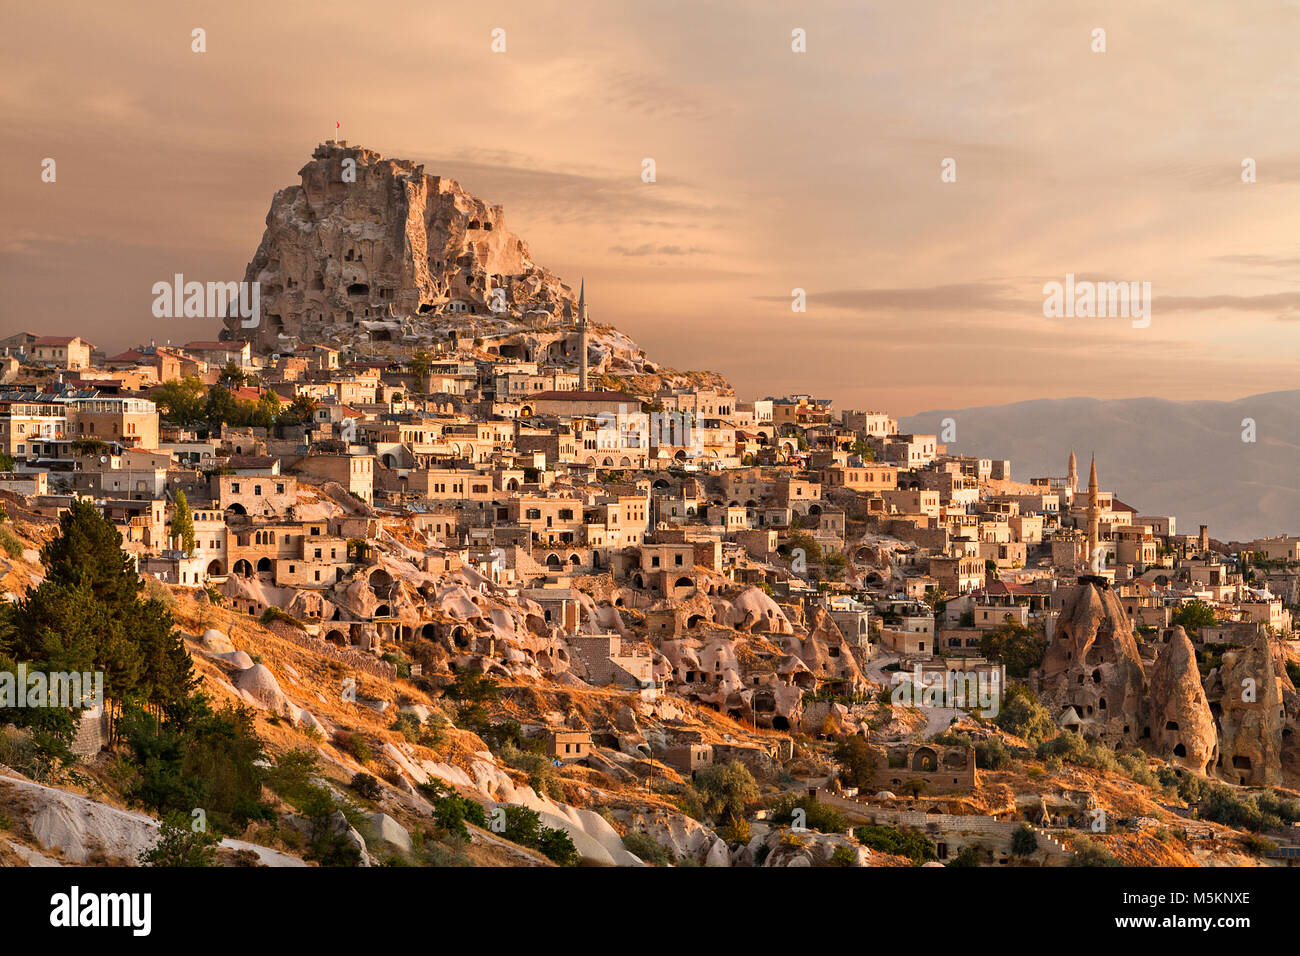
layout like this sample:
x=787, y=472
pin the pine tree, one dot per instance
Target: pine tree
x=88, y=550
x=183, y=523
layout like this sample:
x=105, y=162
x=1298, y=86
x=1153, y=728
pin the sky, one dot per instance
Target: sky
x=775, y=170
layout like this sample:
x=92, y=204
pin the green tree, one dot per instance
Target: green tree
x=300, y=411
x=811, y=549
x=183, y=523
x=221, y=408
x=265, y=411
x=1193, y=616
x=231, y=376
x=209, y=759
x=1022, y=714
x=180, y=401
x=815, y=815
x=1021, y=649
x=725, y=789
x=856, y=760
x=420, y=365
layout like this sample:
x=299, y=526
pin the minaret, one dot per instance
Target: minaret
x=1072, y=474
x=582, y=336
x=1093, y=518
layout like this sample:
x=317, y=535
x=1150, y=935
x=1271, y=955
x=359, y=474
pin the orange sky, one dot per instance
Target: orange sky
x=776, y=170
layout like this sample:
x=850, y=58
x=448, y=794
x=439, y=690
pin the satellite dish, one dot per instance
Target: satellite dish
x=103, y=459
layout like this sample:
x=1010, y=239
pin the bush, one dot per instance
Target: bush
x=1021, y=649
x=991, y=754
x=451, y=811
x=1023, y=715
x=1259, y=846
x=524, y=826
x=817, y=816
x=355, y=744
x=967, y=856
x=366, y=787
x=9, y=541
x=906, y=843
x=276, y=614
x=179, y=844
x=725, y=789
x=1086, y=851
x=843, y=856
x=736, y=831
x=1024, y=842
x=857, y=762
x=647, y=848
x=538, y=766
x=212, y=759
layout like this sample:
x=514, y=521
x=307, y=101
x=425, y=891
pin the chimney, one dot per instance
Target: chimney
x=1205, y=538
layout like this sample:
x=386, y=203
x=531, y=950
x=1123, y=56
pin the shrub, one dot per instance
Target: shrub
x=817, y=816
x=857, y=762
x=366, y=787
x=737, y=830
x=1021, y=714
x=179, y=844
x=1259, y=846
x=524, y=826
x=9, y=541
x=906, y=843
x=967, y=856
x=647, y=848
x=1024, y=842
x=843, y=856
x=1086, y=851
x=725, y=789
x=451, y=811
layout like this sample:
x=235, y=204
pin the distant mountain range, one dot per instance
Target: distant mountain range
x=1187, y=459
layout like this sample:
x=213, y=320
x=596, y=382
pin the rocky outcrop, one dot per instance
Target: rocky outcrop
x=368, y=243
x=83, y=831
x=1246, y=697
x=1178, y=724
x=1092, y=674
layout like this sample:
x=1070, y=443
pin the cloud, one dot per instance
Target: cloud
x=976, y=296
x=650, y=249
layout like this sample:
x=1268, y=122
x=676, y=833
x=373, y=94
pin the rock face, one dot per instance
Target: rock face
x=1246, y=697
x=372, y=243
x=1178, y=724
x=1091, y=673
